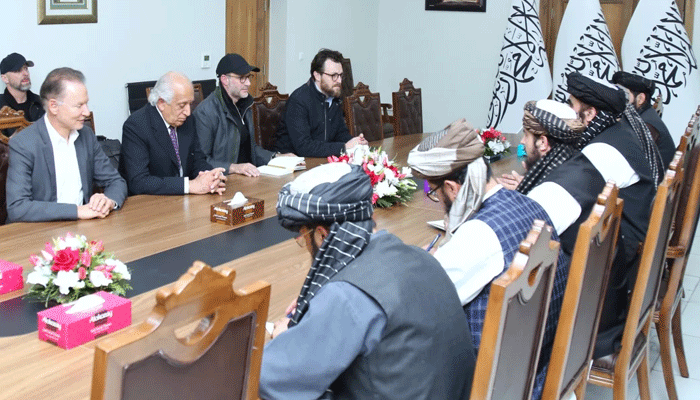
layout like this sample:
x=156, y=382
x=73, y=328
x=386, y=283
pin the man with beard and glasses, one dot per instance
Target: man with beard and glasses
x=616, y=146
x=313, y=124
x=485, y=224
x=224, y=121
x=375, y=318
x=14, y=71
x=551, y=132
x=640, y=91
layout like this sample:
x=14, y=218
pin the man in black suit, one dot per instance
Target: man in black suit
x=160, y=151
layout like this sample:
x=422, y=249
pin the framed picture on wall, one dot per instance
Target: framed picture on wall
x=456, y=5
x=66, y=11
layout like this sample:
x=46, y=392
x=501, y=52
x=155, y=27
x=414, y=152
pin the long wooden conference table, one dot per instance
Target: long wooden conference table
x=153, y=229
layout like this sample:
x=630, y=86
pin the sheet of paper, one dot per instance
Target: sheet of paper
x=288, y=162
x=271, y=170
x=440, y=224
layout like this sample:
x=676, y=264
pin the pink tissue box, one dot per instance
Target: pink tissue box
x=68, y=330
x=10, y=277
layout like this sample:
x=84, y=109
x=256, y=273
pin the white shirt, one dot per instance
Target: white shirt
x=69, y=186
x=561, y=207
x=167, y=128
x=473, y=257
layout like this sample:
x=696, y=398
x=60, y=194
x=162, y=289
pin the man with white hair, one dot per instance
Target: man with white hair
x=485, y=223
x=160, y=151
x=375, y=318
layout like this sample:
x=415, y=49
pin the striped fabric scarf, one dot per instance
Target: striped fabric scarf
x=345, y=204
x=564, y=145
x=602, y=120
x=651, y=151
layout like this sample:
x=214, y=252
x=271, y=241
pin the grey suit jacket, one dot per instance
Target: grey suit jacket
x=31, y=175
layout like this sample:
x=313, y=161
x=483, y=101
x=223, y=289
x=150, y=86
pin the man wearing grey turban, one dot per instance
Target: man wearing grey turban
x=375, y=318
x=486, y=222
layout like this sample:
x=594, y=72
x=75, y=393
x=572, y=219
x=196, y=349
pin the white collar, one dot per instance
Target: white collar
x=492, y=191
x=56, y=137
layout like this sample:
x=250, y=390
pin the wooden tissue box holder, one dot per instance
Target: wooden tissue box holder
x=225, y=214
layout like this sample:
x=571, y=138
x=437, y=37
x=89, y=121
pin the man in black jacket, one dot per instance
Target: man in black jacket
x=14, y=71
x=640, y=91
x=313, y=123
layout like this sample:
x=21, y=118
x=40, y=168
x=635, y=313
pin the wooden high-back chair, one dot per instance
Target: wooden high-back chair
x=616, y=370
x=583, y=299
x=363, y=113
x=668, y=313
x=12, y=119
x=268, y=110
x=198, y=95
x=346, y=87
x=408, y=109
x=4, y=163
x=219, y=359
x=515, y=319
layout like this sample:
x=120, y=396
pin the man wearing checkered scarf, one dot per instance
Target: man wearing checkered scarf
x=375, y=318
x=617, y=147
x=551, y=135
x=486, y=222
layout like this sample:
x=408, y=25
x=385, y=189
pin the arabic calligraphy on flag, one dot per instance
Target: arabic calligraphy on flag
x=583, y=45
x=523, y=70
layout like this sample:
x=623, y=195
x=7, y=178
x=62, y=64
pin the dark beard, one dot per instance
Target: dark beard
x=446, y=201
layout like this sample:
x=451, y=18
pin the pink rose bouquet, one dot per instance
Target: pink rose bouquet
x=73, y=267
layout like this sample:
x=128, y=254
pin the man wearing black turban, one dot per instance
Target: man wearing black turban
x=618, y=147
x=375, y=318
x=640, y=92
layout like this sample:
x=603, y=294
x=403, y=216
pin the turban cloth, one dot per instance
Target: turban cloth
x=336, y=194
x=559, y=122
x=634, y=82
x=598, y=94
x=442, y=153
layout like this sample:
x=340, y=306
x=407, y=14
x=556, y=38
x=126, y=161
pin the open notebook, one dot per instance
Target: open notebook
x=280, y=166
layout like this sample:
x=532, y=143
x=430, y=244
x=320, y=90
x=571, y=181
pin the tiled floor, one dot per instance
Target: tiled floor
x=687, y=388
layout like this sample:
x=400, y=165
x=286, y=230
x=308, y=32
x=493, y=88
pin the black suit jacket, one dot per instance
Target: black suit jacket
x=148, y=160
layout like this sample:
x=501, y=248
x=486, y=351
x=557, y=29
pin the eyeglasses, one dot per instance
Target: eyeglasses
x=241, y=79
x=301, y=239
x=334, y=77
x=432, y=194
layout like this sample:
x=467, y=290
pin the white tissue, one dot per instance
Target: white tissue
x=85, y=303
x=238, y=200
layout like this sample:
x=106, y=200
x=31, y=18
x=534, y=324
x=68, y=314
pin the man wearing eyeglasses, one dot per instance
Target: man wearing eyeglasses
x=225, y=124
x=313, y=124
x=485, y=224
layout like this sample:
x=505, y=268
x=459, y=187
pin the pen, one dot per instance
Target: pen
x=430, y=246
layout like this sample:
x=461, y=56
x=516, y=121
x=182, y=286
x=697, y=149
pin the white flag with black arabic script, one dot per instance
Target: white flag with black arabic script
x=523, y=70
x=656, y=46
x=583, y=45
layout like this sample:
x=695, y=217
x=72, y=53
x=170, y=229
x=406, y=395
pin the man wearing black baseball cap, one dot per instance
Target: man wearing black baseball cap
x=225, y=123
x=640, y=91
x=14, y=71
